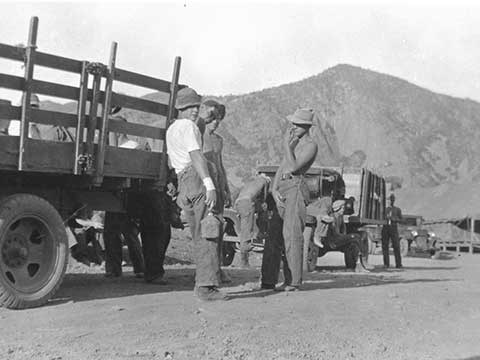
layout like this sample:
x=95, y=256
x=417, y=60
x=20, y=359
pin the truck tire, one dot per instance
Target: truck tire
x=310, y=250
x=228, y=253
x=351, y=256
x=33, y=251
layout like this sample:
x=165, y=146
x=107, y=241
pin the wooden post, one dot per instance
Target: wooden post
x=27, y=91
x=472, y=233
x=103, y=135
x=80, y=132
x=173, y=90
x=92, y=118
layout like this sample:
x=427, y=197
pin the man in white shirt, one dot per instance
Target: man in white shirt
x=197, y=193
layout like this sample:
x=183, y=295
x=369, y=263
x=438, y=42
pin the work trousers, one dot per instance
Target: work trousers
x=390, y=232
x=246, y=211
x=191, y=198
x=155, y=230
x=118, y=225
x=293, y=212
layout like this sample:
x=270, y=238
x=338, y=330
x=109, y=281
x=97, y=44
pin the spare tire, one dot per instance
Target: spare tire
x=33, y=251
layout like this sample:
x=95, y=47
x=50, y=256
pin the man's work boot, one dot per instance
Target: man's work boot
x=209, y=293
x=244, y=264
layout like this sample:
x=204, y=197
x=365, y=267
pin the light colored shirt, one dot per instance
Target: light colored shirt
x=183, y=136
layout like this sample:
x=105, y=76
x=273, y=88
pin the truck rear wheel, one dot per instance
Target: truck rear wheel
x=33, y=251
x=310, y=250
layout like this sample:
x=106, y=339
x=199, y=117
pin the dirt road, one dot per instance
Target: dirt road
x=429, y=310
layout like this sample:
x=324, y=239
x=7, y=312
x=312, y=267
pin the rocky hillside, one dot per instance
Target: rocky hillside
x=364, y=118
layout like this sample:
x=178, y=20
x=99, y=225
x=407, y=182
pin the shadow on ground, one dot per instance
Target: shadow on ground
x=85, y=287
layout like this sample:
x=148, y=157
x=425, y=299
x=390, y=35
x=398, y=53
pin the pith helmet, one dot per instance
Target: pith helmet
x=187, y=97
x=302, y=117
x=34, y=100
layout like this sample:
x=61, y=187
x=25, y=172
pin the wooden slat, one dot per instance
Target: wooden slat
x=12, y=52
x=132, y=163
x=43, y=59
x=54, y=118
x=8, y=112
x=58, y=62
x=9, y=152
x=131, y=102
x=141, y=80
x=12, y=82
x=92, y=119
x=140, y=130
x=57, y=90
x=49, y=156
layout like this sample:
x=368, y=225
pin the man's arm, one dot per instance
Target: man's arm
x=276, y=195
x=296, y=163
x=226, y=189
x=200, y=165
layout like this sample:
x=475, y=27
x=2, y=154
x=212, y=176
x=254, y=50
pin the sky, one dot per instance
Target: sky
x=235, y=47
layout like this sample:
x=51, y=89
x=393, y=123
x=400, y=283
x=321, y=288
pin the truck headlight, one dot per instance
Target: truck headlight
x=414, y=233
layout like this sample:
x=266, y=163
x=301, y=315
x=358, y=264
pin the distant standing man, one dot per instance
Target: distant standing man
x=390, y=232
x=197, y=193
x=291, y=196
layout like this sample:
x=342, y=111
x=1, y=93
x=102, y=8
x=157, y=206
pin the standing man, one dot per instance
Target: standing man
x=212, y=150
x=291, y=195
x=120, y=225
x=390, y=232
x=197, y=192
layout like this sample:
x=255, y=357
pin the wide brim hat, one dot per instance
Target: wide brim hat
x=187, y=97
x=302, y=117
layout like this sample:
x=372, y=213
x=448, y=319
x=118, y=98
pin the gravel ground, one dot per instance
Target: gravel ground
x=428, y=310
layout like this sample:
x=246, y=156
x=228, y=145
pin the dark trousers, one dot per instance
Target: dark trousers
x=191, y=198
x=293, y=213
x=390, y=232
x=246, y=211
x=118, y=225
x=155, y=230
x=274, y=252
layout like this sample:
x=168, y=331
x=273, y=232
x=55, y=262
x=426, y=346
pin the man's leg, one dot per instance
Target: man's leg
x=246, y=211
x=272, y=252
x=113, y=244
x=293, y=226
x=191, y=198
x=385, y=247
x=130, y=234
x=396, y=246
x=155, y=236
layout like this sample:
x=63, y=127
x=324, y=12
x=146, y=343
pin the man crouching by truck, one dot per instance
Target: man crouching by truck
x=197, y=193
x=291, y=195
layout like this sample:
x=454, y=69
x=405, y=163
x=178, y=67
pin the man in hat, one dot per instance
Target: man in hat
x=390, y=232
x=197, y=192
x=291, y=196
x=212, y=150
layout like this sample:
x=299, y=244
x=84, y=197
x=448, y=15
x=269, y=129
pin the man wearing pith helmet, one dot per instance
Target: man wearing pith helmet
x=291, y=196
x=197, y=190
